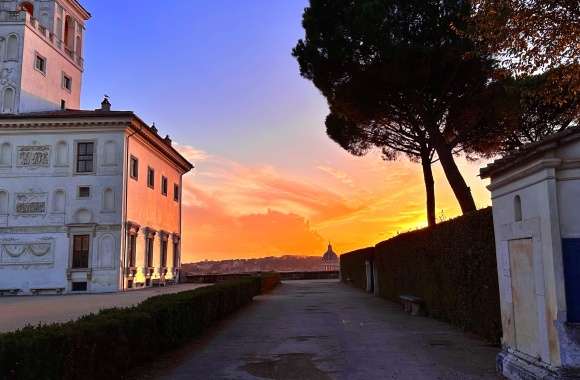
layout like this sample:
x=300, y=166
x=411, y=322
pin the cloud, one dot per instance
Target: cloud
x=235, y=210
x=338, y=174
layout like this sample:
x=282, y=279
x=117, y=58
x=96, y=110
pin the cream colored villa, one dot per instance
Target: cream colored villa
x=90, y=201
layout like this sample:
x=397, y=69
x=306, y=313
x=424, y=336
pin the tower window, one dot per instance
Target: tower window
x=40, y=63
x=66, y=82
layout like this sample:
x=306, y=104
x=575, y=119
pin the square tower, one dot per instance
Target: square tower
x=41, y=60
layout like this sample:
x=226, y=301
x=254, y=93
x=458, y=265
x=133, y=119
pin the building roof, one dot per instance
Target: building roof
x=529, y=152
x=329, y=255
x=41, y=119
x=82, y=10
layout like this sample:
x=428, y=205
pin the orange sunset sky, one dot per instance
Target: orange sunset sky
x=268, y=181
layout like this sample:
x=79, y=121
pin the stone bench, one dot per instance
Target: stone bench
x=38, y=291
x=157, y=283
x=412, y=305
x=10, y=292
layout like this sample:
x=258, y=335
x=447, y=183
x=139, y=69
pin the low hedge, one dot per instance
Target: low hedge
x=451, y=266
x=109, y=344
x=268, y=281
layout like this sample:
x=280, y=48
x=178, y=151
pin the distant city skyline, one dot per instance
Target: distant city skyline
x=219, y=78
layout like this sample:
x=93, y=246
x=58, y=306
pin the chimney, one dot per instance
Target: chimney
x=105, y=104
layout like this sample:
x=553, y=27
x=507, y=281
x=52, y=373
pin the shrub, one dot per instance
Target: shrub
x=109, y=344
x=269, y=280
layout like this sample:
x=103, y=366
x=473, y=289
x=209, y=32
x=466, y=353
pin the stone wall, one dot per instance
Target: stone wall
x=451, y=266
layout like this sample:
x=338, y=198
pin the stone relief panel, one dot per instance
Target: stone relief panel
x=31, y=203
x=105, y=258
x=33, y=156
x=37, y=252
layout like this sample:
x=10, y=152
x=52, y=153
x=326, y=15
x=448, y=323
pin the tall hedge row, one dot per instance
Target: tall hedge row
x=109, y=344
x=451, y=266
x=352, y=266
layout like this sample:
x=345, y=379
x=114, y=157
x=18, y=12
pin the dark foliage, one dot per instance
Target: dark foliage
x=451, y=266
x=109, y=344
x=393, y=71
x=352, y=266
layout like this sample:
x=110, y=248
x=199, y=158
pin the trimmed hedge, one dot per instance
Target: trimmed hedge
x=109, y=344
x=452, y=266
x=269, y=280
x=352, y=266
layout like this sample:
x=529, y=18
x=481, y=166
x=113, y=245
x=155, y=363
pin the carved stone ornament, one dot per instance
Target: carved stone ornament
x=26, y=252
x=33, y=156
x=31, y=203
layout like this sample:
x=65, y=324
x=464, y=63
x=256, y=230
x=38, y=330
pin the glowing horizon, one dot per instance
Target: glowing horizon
x=268, y=181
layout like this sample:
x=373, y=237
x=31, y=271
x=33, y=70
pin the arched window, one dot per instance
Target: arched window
x=12, y=47
x=69, y=32
x=108, y=200
x=8, y=100
x=5, y=154
x=61, y=153
x=3, y=202
x=58, y=28
x=28, y=7
x=59, y=201
x=518, y=208
x=110, y=153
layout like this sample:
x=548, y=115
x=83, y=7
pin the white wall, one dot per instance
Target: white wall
x=46, y=184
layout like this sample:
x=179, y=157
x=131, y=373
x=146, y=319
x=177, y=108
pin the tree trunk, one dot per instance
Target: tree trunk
x=452, y=173
x=429, y=187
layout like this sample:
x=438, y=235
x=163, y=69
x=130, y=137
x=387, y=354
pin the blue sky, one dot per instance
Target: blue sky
x=215, y=74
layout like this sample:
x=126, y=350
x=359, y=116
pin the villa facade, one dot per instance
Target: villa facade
x=90, y=200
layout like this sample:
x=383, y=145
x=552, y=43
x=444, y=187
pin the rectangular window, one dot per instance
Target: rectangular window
x=79, y=286
x=176, y=192
x=80, y=259
x=85, y=157
x=149, y=253
x=134, y=168
x=40, y=64
x=164, y=186
x=132, y=251
x=66, y=82
x=163, y=253
x=151, y=178
x=84, y=192
x=175, y=254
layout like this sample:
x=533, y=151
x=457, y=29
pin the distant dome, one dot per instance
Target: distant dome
x=329, y=255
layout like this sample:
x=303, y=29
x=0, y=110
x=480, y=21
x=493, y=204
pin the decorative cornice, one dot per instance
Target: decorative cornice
x=548, y=163
x=87, y=119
